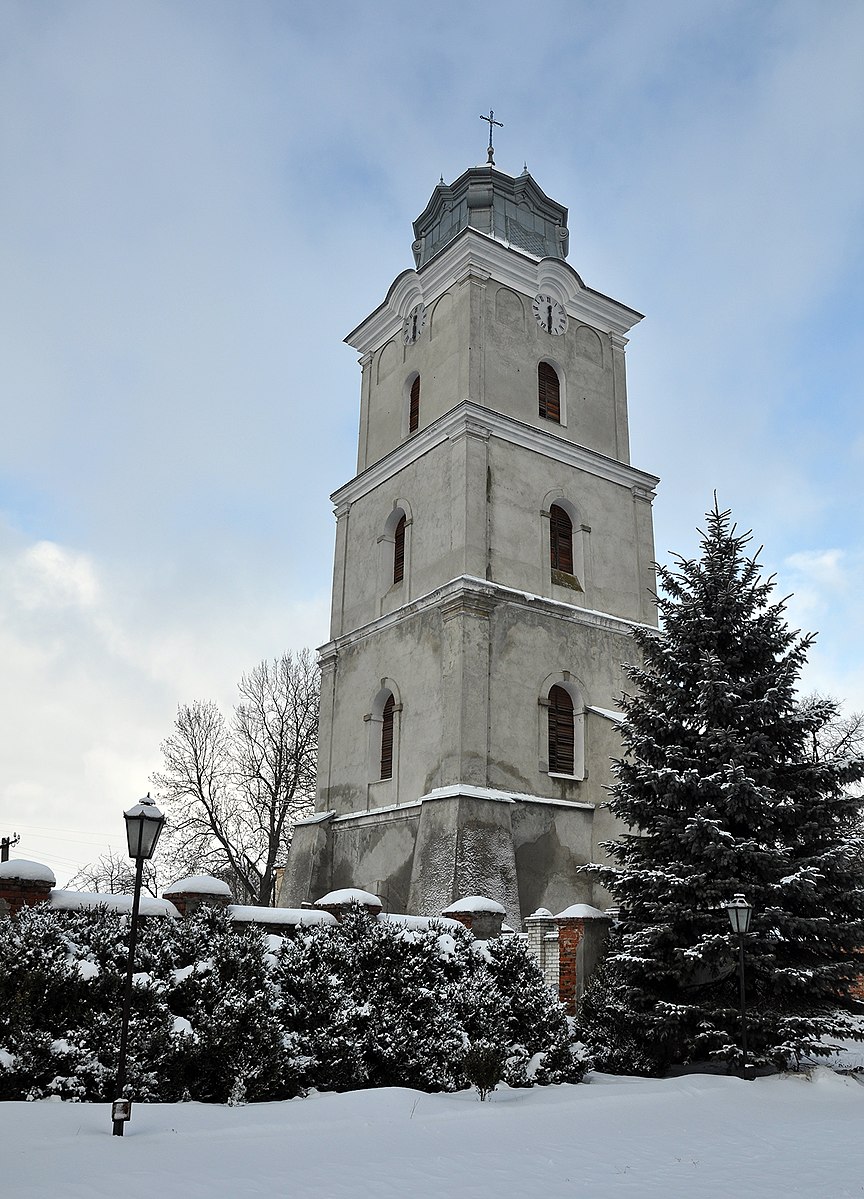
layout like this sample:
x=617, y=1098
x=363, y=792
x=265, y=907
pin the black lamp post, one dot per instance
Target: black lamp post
x=739, y=912
x=144, y=823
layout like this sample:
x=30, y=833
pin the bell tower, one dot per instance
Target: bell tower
x=492, y=553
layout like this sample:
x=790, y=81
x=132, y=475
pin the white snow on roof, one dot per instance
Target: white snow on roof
x=198, y=884
x=350, y=895
x=318, y=818
x=476, y=903
x=31, y=872
x=247, y=914
x=617, y=717
x=540, y=912
x=582, y=911
x=75, y=901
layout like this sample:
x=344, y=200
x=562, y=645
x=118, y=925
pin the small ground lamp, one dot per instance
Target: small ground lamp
x=739, y=912
x=144, y=823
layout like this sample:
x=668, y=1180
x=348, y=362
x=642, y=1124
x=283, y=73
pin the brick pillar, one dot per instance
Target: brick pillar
x=570, y=933
x=188, y=894
x=337, y=903
x=582, y=932
x=481, y=916
x=23, y=884
x=542, y=935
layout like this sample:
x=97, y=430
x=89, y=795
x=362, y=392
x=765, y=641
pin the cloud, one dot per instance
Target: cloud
x=93, y=671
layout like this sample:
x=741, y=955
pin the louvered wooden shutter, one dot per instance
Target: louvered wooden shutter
x=548, y=392
x=387, y=740
x=399, y=552
x=561, y=732
x=414, y=407
x=561, y=539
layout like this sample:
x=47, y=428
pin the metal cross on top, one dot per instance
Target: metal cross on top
x=490, y=153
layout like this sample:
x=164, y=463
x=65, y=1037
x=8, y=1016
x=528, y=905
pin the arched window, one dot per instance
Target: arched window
x=399, y=551
x=549, y=392
x=414, y=406
x=561, y=732
x=561, y=539
x=387, y=738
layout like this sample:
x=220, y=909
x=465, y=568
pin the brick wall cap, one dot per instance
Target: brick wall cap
x=540, y=914
x=75, y=901
x=581, y=911
x=474, y=904
x=348, y=895
x=242, y=913
x=29, y=872
x=199, y=884
x=441, y=923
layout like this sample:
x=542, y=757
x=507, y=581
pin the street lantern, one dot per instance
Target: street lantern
x=144, y=823
x=739, y=912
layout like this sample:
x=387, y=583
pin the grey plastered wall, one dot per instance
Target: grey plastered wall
x=464, y=847
x=376, y=852
x=551, y=842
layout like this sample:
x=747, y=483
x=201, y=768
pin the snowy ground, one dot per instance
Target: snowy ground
x=698, y=1137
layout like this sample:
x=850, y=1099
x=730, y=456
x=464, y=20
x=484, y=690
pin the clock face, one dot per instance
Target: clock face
x=413, y=324
x=549, y=314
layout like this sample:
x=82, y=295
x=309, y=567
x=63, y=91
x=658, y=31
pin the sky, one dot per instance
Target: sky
x=200, y=199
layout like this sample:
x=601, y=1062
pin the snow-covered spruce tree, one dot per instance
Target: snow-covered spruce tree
x=723, y=793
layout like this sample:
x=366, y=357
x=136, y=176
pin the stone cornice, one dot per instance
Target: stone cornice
x=454, y=791
x=481, y=595
x=472, y=252
x=469, y=418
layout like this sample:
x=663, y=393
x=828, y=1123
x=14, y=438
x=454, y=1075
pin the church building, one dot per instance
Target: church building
x=493, y=551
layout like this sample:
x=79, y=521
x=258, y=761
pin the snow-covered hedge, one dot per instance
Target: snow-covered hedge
x=223, y=1013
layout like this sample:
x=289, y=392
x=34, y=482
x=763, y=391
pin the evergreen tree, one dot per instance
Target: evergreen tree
x=722, y=792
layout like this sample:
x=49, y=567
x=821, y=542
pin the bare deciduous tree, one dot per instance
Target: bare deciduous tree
x=233, y=789
x=840, y=739
x=113, y=874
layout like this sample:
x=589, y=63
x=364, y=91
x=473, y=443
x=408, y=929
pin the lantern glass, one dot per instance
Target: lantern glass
x=739, y=912
x=144, y=823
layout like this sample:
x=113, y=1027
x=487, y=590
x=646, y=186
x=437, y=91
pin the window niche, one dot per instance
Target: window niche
x=551, y=392
x=394, y=563
x=384, y=722
x=411, y=405
x=565, y=548
x=561, y=732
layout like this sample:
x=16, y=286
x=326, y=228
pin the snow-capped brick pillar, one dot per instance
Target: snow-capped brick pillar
x=188, y=894
x=542, y=933
x=481, y=916
x=340, y=902
x=582, y=932
x=23, y=884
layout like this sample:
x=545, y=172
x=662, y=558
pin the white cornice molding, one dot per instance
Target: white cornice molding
x=471, y=251
x=470, y=418
x=467, y=588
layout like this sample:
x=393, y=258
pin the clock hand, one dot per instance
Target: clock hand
x=549, y=317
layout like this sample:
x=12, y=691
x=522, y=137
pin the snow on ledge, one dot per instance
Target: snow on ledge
x=242, y=913
x=607, y=714
x=29, y=872
x=582, y=911
x=199, y=884
x=76, y=901
x=476, y=903
x=349, y=895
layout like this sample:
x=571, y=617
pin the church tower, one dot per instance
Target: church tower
x=492, y=553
